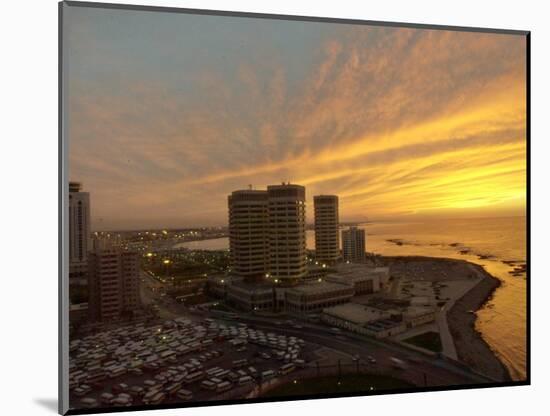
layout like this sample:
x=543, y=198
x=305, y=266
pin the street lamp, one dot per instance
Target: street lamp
x=166, y=262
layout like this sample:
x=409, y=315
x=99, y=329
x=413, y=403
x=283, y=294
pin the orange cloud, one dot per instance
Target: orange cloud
x=392, y=120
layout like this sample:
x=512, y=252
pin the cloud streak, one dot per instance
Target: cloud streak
x=393, y=120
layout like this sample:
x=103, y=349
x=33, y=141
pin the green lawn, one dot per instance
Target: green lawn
x=428, y=340
x=351, y=383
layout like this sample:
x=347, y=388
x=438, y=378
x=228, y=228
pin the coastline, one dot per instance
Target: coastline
x=471, y=348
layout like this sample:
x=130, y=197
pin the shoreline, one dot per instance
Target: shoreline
x=471, y=347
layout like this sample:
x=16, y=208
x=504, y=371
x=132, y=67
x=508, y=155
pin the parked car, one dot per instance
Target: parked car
x=184, y=394
x=136, y=391
x=88, y=402
x=120, y=388
x=82, y=390
x=106, y=398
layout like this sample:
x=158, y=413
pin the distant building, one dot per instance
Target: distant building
x=327, y=242
x=353, y=243
x=79, y=232
x=113, y=284
x=248, y=234
x=287, y=233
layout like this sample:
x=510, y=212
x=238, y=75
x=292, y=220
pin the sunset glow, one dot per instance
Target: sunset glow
x=395, y=121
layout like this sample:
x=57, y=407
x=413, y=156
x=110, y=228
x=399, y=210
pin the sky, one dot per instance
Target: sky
x=167, y=114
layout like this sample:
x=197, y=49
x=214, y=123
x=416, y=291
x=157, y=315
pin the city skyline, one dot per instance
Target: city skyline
x=267, y=209
x=397, y=122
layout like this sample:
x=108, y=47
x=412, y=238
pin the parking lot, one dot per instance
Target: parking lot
x=179, y=360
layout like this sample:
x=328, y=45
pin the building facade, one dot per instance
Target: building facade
x=250, y=296
x=327, y=242
x=353, y=244
x=113, y=284
x=287, y=233
x=313, y=297
x=248, y=234
x=79, y=232
x=364, y=279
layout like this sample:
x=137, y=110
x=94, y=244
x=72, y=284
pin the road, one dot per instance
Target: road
x=421, y=369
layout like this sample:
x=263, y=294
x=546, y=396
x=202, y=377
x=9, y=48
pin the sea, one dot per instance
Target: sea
x=497, y=244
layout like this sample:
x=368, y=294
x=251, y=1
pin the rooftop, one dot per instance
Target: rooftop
x=252, y=286
x=382, y=325
x=354, y=271
x=75, y=186
x=358, y=268
x=356, y=313
x=412, y=311
x=317, y=287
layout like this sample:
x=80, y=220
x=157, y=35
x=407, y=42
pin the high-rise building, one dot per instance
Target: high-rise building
x=353, y=243
x=113, y=286
x=327, y=244
x=248, y=234
x=79, y=233
x=79, y=223
x=287, y=233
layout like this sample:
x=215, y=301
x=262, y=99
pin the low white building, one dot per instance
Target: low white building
x=334, y=286
x=314, y=296
x=364, y=279
x=418, y=315
x=375, y=322
x=384, y=328
x=352, y=316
